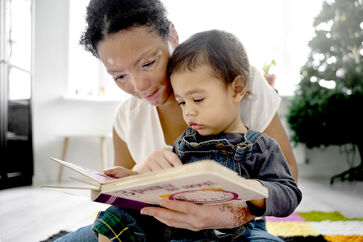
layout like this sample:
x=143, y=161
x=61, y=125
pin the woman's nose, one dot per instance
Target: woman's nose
x=139, y=83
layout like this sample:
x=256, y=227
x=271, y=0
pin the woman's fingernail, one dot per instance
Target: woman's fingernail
x=144, y=211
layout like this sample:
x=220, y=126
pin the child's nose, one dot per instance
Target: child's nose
x=190, y=110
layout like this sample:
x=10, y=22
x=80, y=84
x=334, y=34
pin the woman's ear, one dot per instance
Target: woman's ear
x=239, y=87
x=173, y=37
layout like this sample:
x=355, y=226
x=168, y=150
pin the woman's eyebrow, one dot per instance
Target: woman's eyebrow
x=144, y=54
x=114, y=71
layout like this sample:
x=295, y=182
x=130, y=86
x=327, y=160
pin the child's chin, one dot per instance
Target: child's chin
x=204, y=132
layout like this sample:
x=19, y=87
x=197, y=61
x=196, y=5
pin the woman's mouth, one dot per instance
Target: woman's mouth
x=153, y=95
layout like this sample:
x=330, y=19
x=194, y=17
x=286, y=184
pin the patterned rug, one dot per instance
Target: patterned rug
x=304, y=226
x=316, y=226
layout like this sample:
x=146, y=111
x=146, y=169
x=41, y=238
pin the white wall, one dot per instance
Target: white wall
x=53, y=116
x=324, y=162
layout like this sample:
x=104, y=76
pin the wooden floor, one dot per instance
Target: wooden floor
x=33, y=214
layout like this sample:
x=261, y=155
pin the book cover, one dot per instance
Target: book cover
x=202, y=182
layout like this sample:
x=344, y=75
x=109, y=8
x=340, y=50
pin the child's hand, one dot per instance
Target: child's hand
x=119, y=171
x=158, y=160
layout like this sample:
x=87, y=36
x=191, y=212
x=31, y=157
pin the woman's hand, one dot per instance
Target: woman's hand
x=158, y=160
x=119, y=171
x=186, y=215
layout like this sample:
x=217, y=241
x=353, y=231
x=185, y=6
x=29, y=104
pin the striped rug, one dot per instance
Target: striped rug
x=316, y=226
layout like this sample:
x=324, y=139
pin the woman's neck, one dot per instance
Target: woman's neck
x=171, y=120
x=170, y=104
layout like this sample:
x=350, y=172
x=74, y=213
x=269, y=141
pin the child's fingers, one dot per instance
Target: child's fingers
x=119, y=172
x=110, y=171
x=172, y=158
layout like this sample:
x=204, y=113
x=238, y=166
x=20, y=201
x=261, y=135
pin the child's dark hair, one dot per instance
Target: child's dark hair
x=110, y=16
x=222, y=51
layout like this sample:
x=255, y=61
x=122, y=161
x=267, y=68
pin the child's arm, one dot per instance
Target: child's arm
x=158, y=160
x=272, y=171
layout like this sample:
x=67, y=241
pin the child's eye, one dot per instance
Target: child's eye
x=181, y=103
x=198, y=100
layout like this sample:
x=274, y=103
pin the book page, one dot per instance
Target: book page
x=94, y=175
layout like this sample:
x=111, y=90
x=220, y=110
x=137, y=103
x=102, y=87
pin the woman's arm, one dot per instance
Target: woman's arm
x=195, y=217
x=122, y=155
x=277, y=131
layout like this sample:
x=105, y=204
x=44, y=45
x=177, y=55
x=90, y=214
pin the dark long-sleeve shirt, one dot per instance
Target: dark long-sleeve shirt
x=259, y=157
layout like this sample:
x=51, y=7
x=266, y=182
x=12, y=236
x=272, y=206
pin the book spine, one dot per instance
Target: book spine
x=121, y=202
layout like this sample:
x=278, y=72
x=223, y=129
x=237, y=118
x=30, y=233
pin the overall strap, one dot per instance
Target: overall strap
x=244, y=150
x=253, y=136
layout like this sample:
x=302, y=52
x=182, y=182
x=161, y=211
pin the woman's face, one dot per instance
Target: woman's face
x=137, y=59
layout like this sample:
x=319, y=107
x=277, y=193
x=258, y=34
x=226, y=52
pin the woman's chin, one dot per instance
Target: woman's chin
x=157, y=102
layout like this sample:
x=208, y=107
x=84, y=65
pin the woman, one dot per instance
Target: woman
x=134, y=41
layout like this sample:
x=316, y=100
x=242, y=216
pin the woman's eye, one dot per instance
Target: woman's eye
x=120, y=78
x=149, y=63
x=198, y=100
x=181, y=103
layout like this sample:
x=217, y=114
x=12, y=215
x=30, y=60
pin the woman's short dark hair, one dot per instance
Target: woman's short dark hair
x=220, y=50
x=110, y=16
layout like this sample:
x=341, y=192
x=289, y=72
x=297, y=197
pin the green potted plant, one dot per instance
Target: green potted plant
x=270, y=77
x=327, y=106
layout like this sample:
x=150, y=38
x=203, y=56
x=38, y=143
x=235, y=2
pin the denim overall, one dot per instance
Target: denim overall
x=190, y=148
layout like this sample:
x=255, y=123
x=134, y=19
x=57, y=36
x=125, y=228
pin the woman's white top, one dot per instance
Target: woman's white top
x=137, y=122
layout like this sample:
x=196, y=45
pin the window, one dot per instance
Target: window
x=15, y=53
x=269, y=30
x=90, y=77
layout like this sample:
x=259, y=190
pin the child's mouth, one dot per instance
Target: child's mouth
x=195, y=126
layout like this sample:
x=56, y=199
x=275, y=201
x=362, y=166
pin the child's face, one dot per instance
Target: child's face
x=208, y=103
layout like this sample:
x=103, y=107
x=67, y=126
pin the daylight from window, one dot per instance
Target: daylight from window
x=270, y=30
x=17, y=42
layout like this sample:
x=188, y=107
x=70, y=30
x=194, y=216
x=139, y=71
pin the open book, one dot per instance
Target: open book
x=202, y=182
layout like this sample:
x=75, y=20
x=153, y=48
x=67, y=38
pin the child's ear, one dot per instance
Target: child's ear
x=239, y=87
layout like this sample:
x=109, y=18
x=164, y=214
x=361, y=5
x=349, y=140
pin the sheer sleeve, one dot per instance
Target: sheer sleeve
x=259, y=106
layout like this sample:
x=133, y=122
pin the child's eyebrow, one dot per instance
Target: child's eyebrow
x=193, y=91
x=190, y=92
